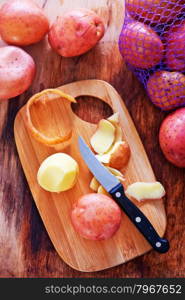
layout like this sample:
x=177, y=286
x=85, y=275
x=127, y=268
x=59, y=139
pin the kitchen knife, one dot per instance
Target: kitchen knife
x=116, y=190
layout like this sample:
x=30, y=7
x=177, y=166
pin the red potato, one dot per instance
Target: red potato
x=140, y=45
x=155, y=11
x=76, y=32
x=22, y=22
x=167, y=89
x=175, y=49
x=172, y=137
x=96, y=217
x=17, y=70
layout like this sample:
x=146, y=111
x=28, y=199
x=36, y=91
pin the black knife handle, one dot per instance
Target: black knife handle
x=139, y=219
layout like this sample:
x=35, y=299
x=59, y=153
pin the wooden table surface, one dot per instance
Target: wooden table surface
x=25, y=249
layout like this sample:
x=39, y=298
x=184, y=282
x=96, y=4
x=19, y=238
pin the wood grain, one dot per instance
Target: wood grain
x=25, y=249
x=55, y=209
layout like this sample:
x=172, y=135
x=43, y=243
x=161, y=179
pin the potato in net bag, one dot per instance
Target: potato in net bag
x=152, y=43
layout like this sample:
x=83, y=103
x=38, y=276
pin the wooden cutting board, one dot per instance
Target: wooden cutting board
x=58, y=117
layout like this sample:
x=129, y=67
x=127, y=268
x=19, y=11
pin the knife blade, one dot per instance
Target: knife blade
x=116, y=190
x=107, y=180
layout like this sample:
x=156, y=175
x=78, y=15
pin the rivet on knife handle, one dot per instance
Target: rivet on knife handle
x=139, y=219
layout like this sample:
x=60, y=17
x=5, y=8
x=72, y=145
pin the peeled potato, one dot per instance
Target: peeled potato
x=22, y=22
x=140, y=46
x=145, y=190
x=167, y=89
x=104, y=137
x=58, y=173
x=155, y=11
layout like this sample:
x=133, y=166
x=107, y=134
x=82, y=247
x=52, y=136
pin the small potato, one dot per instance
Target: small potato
x=140, y=46
x=167, y=89
x=96, y=217
x=22, y=22
x=175, y=48
x=17, y=70
x=155, y=11
x=172, y=137
x=76, y=32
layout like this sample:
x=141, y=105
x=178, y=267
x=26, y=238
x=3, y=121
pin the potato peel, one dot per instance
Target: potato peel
x=145, y=191
x=34, y=131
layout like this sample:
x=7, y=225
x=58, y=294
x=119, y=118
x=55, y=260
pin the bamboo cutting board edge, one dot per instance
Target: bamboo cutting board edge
x=148, y=248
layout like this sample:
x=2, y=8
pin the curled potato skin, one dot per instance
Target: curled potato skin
x=17, y=71
x=34, y=131
x=22, y=22
x=76, y=32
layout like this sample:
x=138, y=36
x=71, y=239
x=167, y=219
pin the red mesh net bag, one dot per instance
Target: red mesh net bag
x=152, y=43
